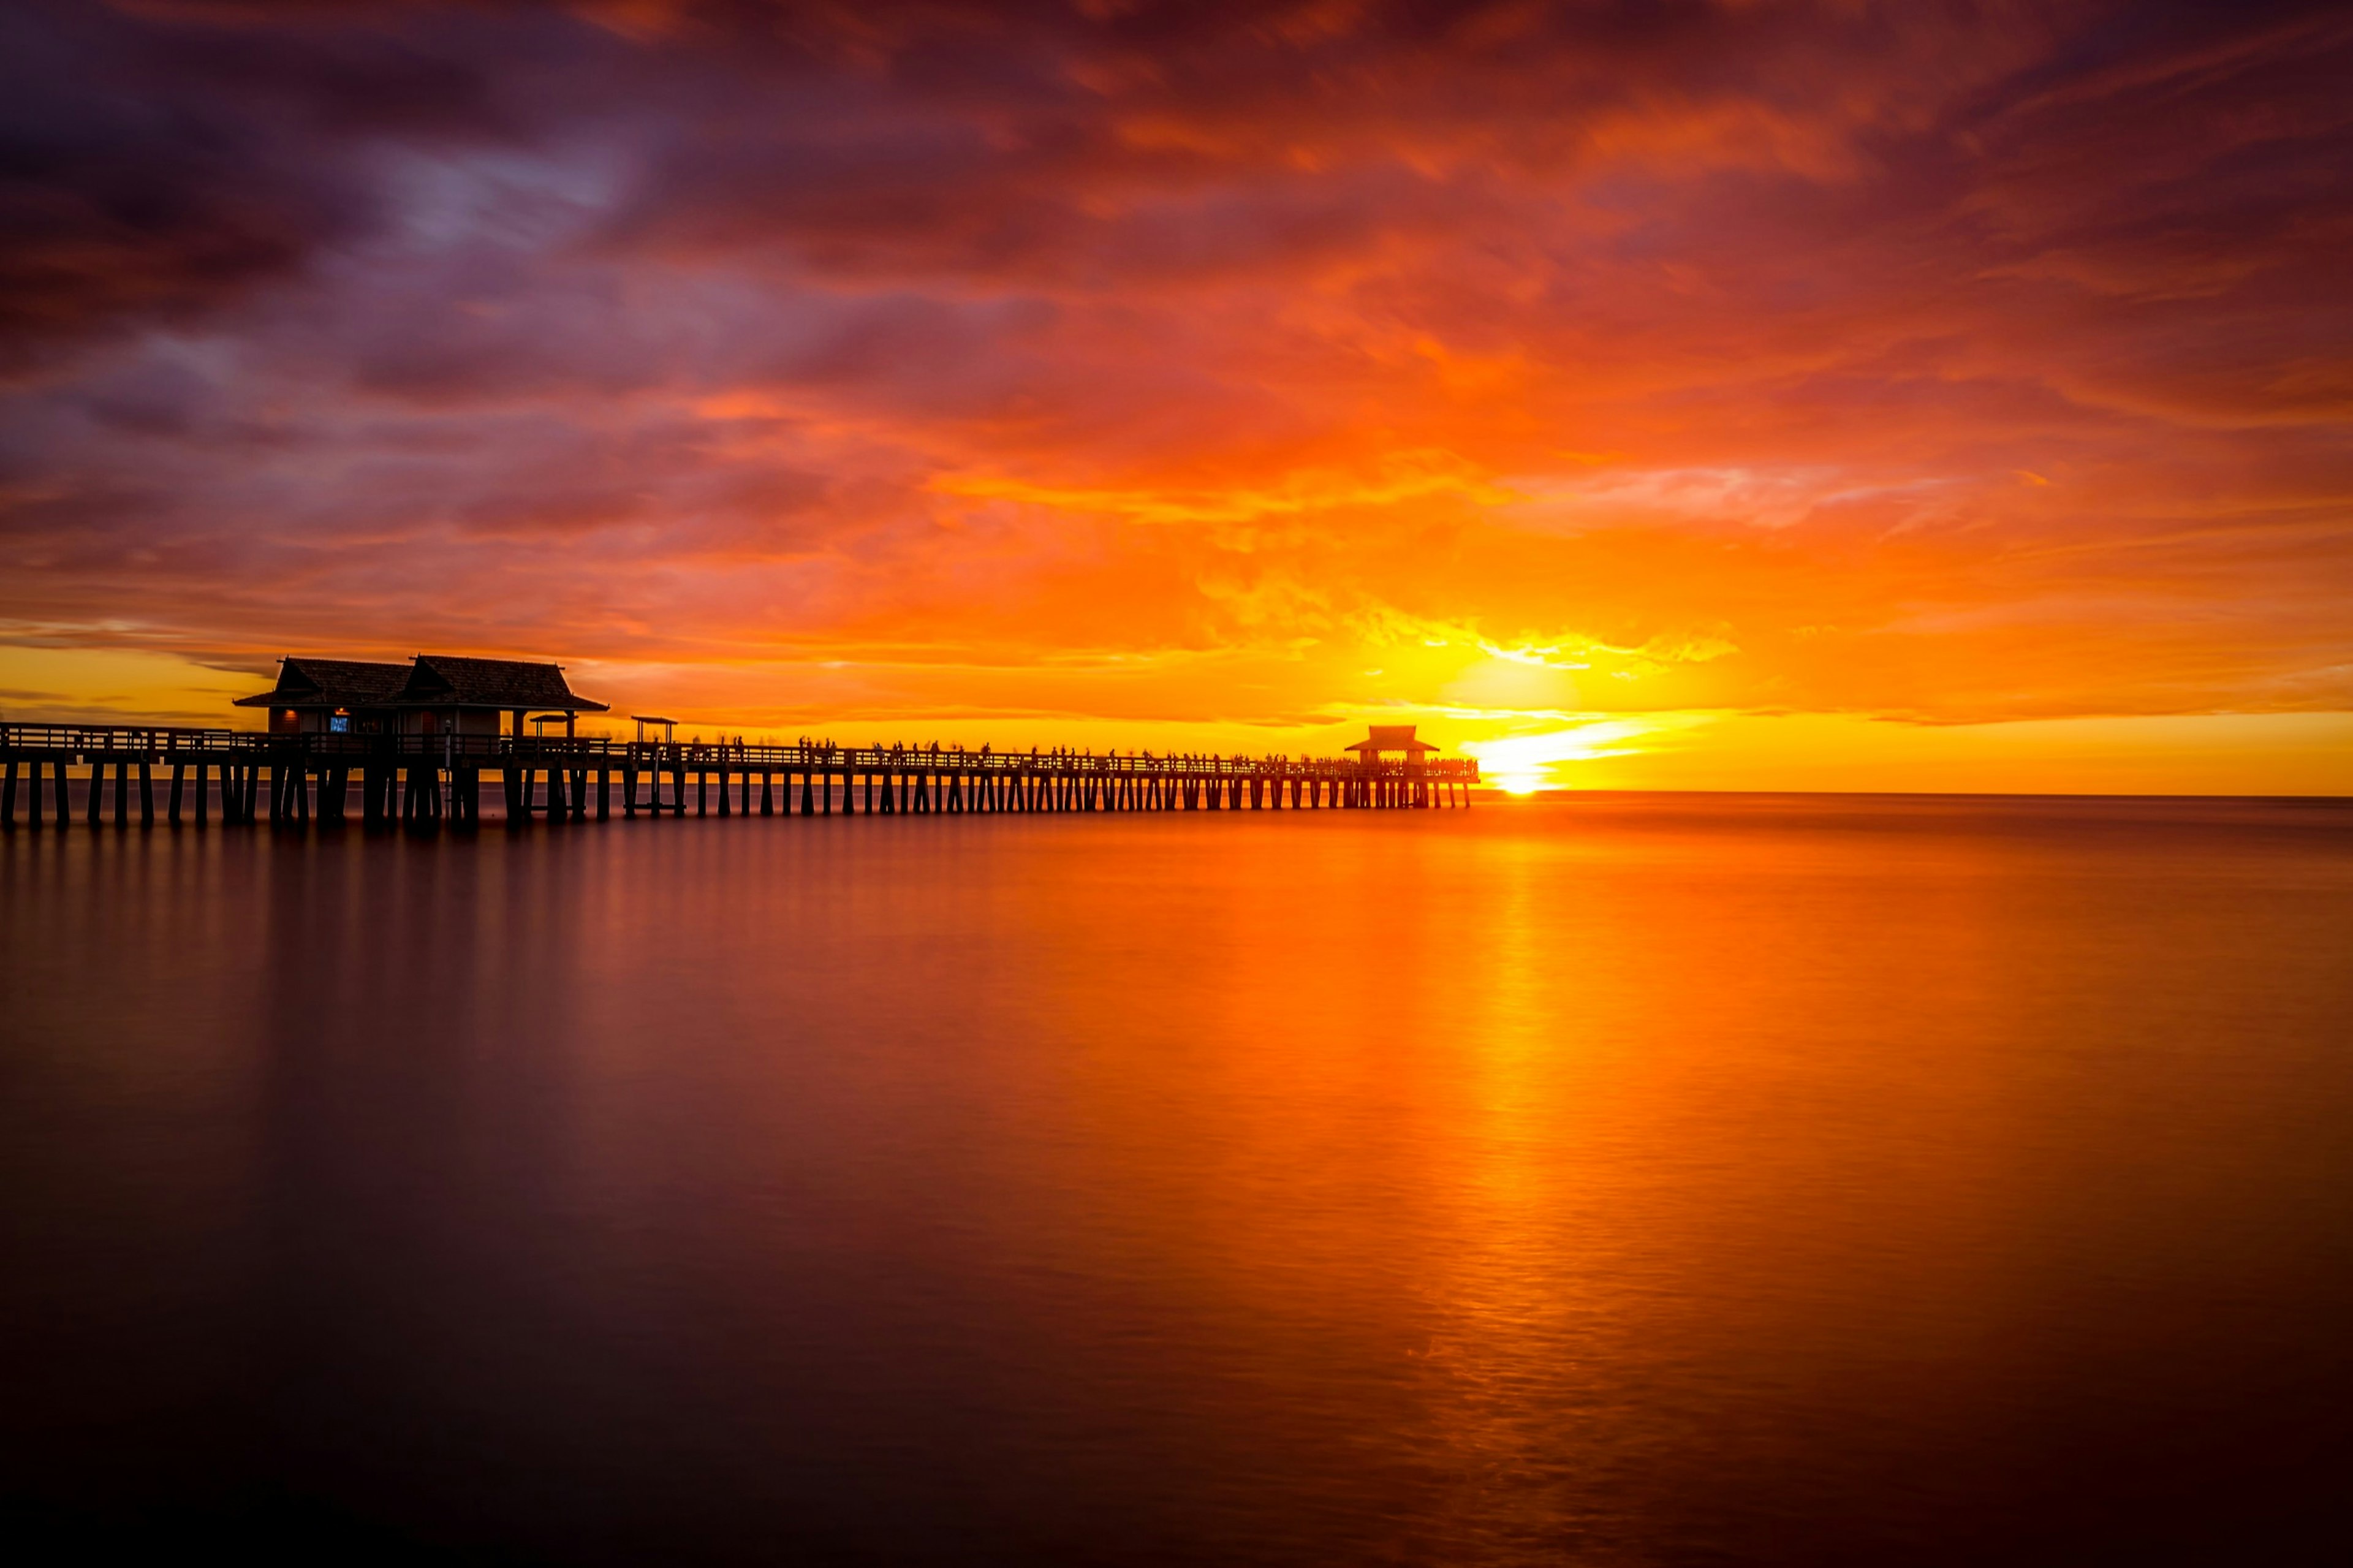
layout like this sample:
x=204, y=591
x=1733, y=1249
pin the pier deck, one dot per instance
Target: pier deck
x=427, y=781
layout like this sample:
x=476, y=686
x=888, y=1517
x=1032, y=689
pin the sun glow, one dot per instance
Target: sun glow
x=1522, y=764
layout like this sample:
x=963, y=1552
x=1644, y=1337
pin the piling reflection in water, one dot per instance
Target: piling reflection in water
x=1637, y=1180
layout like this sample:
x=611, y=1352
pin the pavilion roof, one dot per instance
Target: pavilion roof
x=446, y=680
x=305, y=682
x=1391, y=737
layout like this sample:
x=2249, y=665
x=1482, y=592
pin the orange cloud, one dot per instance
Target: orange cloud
x=1205, y=370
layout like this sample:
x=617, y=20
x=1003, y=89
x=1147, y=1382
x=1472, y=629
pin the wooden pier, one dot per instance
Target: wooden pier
x=427, y=782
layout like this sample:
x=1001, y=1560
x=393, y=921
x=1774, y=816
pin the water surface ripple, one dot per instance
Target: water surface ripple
x=1647, y=1179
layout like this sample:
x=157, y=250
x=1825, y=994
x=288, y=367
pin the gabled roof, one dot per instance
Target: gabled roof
x=1391, y=737
x=332, y=683
x=444, y=681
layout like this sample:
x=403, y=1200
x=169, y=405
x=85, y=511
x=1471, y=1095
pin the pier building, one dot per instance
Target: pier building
x=331, y=696
x=432, y=694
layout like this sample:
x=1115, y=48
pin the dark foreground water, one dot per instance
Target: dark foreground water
x=1642, y=1180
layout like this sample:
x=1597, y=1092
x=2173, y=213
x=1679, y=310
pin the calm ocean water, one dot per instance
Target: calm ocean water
x=1615, y=1180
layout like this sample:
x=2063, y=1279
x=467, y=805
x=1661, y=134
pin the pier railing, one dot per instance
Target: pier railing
x=426, y=777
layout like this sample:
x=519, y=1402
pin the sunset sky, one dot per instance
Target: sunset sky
x=1903, y=397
